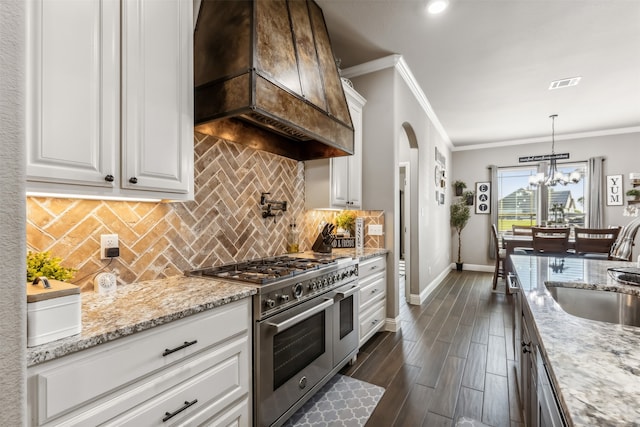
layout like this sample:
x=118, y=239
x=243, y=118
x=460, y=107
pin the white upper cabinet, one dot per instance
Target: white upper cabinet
x=110, y=89
x=73, y=91
x=346, y=172
x=337, y=183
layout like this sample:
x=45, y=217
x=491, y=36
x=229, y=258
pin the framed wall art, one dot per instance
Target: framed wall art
x=614, y=190
x=483, y=197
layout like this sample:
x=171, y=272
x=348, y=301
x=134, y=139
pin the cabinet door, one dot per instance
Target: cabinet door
x=157, y=91
x=73, y=91
x=355, y=161
x=339, y=181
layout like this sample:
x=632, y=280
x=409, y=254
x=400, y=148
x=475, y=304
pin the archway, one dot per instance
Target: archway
x=406, y=223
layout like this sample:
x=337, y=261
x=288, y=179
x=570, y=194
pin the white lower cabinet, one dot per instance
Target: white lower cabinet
x=372, y=278
x=193, y=371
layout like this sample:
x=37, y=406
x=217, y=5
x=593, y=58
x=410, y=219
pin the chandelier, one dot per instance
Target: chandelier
x=553, y=176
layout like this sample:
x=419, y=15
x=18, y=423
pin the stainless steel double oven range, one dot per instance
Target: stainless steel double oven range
x=305, y=318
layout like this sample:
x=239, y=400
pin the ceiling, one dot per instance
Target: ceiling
x=486, y=65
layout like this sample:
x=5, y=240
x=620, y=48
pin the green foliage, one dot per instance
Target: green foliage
x=460, y=214
x=634, y=192
x=346, y=220
x=460, y=184
x=43, y=264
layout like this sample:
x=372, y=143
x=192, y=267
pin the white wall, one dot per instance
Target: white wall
x=621, y=152
x=390, y=104
x=12, y=215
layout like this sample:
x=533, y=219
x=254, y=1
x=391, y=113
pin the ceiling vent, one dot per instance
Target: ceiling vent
x=559, y=84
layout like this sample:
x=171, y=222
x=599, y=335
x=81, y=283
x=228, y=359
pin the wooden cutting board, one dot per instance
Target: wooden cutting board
x=58, y=289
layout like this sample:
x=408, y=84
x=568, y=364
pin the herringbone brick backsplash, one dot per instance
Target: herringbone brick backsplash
x=223, y=224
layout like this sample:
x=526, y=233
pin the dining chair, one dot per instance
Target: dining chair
x=500, y=256
x=550, y=240
x=521, y=230
x=595, y=240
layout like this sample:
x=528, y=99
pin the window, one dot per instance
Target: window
x=519, y=202
x=567, y=204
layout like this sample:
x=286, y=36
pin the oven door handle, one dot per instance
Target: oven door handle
x=279, y=327
x=346, y=294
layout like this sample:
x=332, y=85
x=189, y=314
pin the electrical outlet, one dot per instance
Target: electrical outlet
x=375, y=230
x=107, y=241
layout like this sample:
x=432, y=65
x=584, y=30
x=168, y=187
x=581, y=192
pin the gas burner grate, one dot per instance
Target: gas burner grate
x=265, y=270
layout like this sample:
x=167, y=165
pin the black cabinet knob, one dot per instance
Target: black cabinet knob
x=109, y=178
x=133, y=180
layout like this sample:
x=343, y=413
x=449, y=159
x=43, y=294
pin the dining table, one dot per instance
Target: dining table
x=511, y=242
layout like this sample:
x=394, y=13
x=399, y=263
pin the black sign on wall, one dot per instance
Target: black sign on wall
x=543, y=157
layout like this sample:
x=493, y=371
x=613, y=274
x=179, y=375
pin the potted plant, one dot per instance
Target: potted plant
x=459, y=186
x=43, y=264
x=460, y=214
x=467, y=197
x=633, y=194
x=345, y=221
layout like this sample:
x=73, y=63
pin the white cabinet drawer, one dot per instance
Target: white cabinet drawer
x=372, y=288
x=216, y=380
x=371, y=266
x=372, y=320
x=239, y=415
x=67, y=383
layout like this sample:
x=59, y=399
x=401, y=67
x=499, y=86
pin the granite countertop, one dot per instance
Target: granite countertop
x=594, y=365
x=137, y=307
x=140, y=306
x=360, y=254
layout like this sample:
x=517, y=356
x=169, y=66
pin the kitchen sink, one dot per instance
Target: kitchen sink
x=604, y=306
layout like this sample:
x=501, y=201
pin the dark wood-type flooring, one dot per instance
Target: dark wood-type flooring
x=453, y=357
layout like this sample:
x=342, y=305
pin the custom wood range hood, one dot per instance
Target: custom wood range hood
x=265, y=76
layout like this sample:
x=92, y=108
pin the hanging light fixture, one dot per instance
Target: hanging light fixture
x=554, y=176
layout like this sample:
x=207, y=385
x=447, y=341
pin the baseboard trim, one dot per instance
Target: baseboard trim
x=475, y=267
x=419, y=299
x=392, y=325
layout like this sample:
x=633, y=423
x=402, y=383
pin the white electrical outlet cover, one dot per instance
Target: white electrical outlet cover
x=107, y=241
x=375, y=230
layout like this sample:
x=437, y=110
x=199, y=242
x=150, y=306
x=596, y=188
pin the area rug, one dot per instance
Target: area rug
x=343, y=401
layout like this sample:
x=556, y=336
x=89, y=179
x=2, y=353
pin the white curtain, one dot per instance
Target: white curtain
x=595, y=175
x=493, y=171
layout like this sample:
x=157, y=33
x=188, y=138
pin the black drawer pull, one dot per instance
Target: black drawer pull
x=169, y=415
x=173, y=350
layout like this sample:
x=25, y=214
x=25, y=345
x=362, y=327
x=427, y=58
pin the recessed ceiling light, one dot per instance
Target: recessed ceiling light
x=437, y=6
x=559, y=84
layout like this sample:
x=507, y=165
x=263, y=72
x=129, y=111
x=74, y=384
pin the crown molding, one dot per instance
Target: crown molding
x=565, y=137
x=399, y=64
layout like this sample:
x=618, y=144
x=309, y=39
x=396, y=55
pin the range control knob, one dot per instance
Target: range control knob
x=269, y=303
x=297, y=290
x=284, y=298
x=345, y=275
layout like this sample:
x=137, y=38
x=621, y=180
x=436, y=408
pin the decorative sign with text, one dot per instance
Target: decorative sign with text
x=483, y=197
x=614, y=190
x=559, y=156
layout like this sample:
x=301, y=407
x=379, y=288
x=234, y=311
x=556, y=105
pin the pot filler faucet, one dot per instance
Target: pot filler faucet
x=269, y=206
